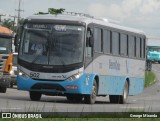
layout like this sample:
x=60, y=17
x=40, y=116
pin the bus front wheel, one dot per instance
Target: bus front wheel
x=90, y=99
x=35, y=96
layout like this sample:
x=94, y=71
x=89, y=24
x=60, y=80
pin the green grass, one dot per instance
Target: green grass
x=150, y=78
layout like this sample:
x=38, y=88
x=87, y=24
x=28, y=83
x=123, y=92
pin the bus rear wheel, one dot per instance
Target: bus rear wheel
x=90, y=99
x=120, y=99
x=35, y=96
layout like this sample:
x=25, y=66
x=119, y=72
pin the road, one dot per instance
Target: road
x=18, y=101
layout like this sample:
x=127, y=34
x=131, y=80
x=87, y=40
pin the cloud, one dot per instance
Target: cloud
x=125, y=9
x=97, y=9
x=141, y=14
x=150, y=6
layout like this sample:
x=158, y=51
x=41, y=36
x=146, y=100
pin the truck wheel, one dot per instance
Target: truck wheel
x=90, y=99
x=3, y=89
x=35, y=96
x=11, y=85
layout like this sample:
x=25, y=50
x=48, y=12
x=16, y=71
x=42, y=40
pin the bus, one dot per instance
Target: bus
x=80, y=57
x=6, y=36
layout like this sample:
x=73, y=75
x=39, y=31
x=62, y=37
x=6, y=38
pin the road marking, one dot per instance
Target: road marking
x=133, y=107
x=133, y=100
x=157, y=70
x=10, y=108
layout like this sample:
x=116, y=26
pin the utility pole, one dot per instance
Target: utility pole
x=19, y=13
x=1, y=16
x=14, y=19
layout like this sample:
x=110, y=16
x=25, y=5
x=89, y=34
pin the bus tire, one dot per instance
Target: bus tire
x=90, y=99
x=35, y=96
x=3, y=89
x=120, y=99
x=123, y=98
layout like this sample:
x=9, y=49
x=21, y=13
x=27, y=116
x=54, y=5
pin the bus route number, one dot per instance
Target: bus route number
x=34, y=75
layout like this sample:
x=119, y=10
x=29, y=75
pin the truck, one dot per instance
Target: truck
x=6, y=37
x=153, y=52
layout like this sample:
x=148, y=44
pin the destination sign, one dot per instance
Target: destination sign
x=57, y=27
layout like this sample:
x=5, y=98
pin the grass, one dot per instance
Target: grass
x=150, y=78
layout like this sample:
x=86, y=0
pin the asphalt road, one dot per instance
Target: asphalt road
x=18, y=101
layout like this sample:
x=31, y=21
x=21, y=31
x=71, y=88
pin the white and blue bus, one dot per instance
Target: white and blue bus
x=80, y=57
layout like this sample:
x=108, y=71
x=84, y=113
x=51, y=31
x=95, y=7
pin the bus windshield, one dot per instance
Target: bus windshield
x=60, y=45
x=5, y=45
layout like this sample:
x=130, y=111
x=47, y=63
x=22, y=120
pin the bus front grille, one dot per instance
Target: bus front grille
x=48, y=86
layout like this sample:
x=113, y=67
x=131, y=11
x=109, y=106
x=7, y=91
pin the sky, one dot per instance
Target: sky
x=139, y=14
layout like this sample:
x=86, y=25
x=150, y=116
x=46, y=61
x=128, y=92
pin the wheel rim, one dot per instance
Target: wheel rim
x=125, y=91
x=94, y=90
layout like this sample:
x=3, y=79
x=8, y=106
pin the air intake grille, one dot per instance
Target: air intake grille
x=3, y=59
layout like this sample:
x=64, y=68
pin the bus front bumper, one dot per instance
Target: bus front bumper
x=79, y=86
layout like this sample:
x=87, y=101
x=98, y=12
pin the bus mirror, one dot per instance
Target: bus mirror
x=89, y=42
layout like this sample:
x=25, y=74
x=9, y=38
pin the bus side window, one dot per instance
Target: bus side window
x=89, y=43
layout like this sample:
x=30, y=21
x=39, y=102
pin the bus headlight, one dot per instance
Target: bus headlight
x=25, y=76
x=75, y=76
x=20, y=73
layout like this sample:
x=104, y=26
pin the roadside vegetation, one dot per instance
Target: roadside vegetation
x=150, y=78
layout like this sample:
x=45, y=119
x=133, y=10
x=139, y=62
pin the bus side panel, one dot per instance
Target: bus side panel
x=136, y=86
x=114, y=85
x=111, y=85
x=113, y=72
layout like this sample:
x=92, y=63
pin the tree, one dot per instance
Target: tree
x=9, y=24
x=52, y=11
x=56, y=11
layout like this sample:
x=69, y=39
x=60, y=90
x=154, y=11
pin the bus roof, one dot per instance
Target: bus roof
x=87, y=20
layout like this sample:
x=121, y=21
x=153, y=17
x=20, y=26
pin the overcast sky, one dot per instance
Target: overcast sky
x=140, y=14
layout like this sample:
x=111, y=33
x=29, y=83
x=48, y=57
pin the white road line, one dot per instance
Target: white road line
x=157, y=70
x=133, y=100
x=133, y=107
x=10, y=108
